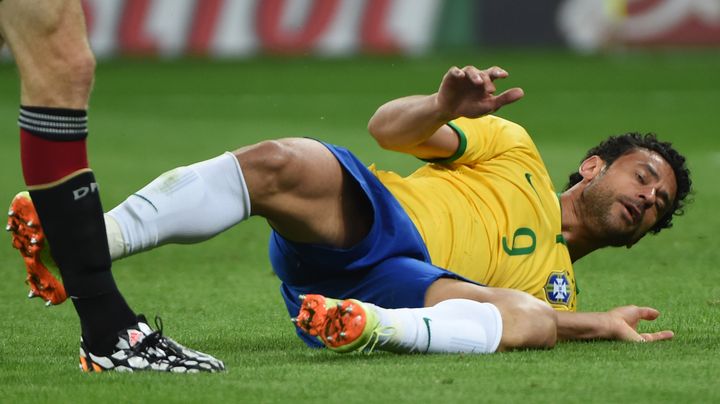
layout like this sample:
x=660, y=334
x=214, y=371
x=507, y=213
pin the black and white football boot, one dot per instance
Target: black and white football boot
x=140, y=348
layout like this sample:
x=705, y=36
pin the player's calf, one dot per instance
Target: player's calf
x=528, y=322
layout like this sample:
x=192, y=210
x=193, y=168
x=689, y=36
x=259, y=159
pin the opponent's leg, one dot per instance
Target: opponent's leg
x=296, y=184
x=49, y=43
x=56, y=67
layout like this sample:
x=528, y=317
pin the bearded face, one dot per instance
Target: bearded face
x=601, y=216
x=623, y=201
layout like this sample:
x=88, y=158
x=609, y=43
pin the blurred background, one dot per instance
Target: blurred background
x=243, y=28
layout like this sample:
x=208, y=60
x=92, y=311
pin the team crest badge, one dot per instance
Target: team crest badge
x=558, y=289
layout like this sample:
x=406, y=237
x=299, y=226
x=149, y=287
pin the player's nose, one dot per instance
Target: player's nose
x=648, y=195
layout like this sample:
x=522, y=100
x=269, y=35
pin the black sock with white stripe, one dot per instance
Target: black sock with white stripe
x=65, y=195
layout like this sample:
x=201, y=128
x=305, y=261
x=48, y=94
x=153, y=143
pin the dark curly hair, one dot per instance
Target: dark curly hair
x=616, y=146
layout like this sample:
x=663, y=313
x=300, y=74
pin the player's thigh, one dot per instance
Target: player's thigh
x=299, y=186
x=49, y=44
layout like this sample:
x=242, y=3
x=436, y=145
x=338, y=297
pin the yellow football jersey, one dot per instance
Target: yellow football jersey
x=490, y=212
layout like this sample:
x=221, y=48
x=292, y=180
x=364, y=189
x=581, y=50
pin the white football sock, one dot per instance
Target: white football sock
x=185, y=205
x=451, y=326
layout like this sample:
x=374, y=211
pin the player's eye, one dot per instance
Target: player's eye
x=640, y=178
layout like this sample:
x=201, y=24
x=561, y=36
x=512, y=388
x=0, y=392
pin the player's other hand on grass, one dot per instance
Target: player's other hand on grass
x=624, y=321
x=470, y=92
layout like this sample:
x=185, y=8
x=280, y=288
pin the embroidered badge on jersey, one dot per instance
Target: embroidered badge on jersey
x=558, y=289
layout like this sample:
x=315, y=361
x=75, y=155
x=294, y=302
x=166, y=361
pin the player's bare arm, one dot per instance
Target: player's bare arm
x=619, y=324
x=416, y=124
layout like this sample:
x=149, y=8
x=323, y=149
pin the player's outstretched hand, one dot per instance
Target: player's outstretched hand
x=470, y=92
x=624, y=321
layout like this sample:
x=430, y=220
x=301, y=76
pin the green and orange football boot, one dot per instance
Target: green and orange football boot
x=341, y=325
x=28, y=237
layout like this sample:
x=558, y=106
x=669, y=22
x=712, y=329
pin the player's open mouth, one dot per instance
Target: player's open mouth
x=632, y=212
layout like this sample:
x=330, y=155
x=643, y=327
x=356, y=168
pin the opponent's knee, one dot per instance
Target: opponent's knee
x=73, y=70
x=53, y=55
x=63, y=78
x=67, y=85
x=80, y=68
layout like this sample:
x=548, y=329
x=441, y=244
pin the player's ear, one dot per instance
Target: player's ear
x=591, y=167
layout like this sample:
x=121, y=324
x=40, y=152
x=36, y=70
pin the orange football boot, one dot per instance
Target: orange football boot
x=342, y=325
x=28, y=237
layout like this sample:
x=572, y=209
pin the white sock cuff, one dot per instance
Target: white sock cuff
x=495, y=343
x=116, y=239
x=245, y=195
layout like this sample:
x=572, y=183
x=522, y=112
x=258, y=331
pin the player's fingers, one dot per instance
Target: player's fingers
x=648, y=313
x=508, y=97
x=496, y=73
x=657, y=336
x=454, y=73
x=628, y=334
x=475, y=75
x=487, y=83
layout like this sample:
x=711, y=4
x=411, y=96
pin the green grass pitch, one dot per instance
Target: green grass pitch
x=221, y=296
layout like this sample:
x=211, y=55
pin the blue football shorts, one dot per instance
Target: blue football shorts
x=390, y=267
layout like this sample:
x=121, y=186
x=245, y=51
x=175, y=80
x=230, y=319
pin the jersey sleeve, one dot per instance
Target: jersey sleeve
x=484, y=138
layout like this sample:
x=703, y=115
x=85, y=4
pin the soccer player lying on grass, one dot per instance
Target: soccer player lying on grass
x=415, y=251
